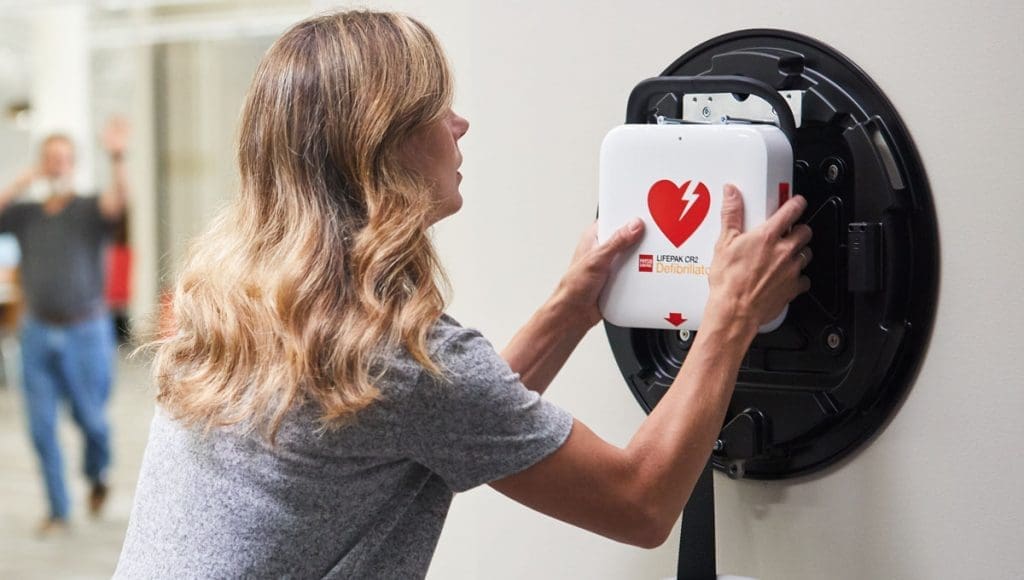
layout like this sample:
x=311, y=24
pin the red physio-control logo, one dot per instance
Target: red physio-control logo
x=646, y=262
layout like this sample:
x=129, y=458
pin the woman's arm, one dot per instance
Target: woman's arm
x=635, y=494
x=540, y=348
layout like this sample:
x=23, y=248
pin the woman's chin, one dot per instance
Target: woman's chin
x=450, y=207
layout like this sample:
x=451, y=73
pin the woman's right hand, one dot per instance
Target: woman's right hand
x=755, y=274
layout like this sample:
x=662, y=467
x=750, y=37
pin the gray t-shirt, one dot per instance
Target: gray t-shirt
x=364, y=501
x=61, y=257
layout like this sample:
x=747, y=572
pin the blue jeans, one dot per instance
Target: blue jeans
x=72, y=362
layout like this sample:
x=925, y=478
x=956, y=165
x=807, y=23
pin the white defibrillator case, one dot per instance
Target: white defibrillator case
x=672, y=177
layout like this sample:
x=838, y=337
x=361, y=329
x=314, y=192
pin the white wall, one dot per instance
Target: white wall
x=59, y=61
x=206, y=83
x=935, y=496
x=15, y=138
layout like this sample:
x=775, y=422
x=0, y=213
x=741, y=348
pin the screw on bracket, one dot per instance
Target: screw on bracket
x=736, y=470
x=833, y=169
x=834, y=339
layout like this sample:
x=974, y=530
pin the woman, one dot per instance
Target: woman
x=317, y=409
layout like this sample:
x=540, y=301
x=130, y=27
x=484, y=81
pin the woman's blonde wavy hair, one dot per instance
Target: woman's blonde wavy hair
x=322, y=266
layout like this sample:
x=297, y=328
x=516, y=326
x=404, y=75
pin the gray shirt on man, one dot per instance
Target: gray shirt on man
x=61, y=257
x=364, y=501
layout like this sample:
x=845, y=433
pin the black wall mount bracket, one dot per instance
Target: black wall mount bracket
x=825, y=382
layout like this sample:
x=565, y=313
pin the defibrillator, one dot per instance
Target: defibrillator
x=672, y=177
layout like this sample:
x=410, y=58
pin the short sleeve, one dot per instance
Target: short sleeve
x=479, y=423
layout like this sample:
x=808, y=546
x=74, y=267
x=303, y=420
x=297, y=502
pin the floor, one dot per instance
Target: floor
x=91, y=547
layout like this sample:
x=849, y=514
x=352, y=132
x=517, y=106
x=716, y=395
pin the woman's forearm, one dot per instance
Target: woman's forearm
x=635, y=494
x=540, y=348
x=671, y=447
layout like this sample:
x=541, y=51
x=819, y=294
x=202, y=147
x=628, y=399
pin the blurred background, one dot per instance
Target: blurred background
x=934, y=496
x=177, y=71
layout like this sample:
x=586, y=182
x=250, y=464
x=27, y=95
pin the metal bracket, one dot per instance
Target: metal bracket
x=730, y=107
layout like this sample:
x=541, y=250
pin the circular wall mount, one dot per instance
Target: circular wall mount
x=829, y=378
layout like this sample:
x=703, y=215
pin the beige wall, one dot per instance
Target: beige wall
x=936, y=495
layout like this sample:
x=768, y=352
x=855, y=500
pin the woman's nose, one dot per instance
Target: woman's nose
x=460, y=126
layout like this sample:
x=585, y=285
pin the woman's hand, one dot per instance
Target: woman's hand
x=542, y=345
x=591, y=265
x=755, y=274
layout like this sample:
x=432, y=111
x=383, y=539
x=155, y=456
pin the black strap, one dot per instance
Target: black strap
x=697, y=534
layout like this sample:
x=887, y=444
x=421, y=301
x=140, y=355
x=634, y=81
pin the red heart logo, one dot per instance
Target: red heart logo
x=678, y=211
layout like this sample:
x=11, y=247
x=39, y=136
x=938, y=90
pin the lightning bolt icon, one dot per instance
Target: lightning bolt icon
x=688, y=197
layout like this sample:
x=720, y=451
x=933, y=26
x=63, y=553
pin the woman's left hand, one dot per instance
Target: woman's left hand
x=591, y=265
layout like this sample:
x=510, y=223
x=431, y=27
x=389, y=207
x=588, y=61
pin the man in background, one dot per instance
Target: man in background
x=67, y=339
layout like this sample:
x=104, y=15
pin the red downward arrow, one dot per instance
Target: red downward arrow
x=675, y=318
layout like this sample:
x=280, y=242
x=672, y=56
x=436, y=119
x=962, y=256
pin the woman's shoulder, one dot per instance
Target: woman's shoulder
x=457, y=350
x=450, y=342
x=445, y=329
